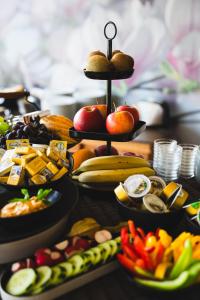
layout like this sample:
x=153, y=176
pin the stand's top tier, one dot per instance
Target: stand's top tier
x=110, y=32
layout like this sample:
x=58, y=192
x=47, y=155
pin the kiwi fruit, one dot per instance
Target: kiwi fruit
x=98, y=63
x=96, y=53
x=122, y=62
x=115, y=52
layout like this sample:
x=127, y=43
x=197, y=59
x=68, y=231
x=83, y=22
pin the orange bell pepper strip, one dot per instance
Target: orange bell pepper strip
x=132, y=229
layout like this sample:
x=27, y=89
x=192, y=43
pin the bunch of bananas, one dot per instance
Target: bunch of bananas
x=111, y=169
x=59, y=125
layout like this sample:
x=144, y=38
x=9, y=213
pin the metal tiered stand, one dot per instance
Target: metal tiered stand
x=109, y=76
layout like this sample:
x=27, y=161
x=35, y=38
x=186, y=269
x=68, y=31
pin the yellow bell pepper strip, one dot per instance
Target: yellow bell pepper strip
x=183, y=261
x=165, y=238
x=151, y=241
x=161, y=270
x=166, y=285
x=132, y=228
x=139, y=248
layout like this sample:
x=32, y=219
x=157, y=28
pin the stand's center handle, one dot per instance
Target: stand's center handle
x=112, y=30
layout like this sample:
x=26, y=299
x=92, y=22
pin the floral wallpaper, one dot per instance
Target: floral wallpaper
x=46, y=42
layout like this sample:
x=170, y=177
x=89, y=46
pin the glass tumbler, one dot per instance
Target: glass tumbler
x=189, y=153
x=161, y=146
x=168, y=163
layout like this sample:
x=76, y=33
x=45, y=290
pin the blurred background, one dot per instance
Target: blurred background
x=44, y=46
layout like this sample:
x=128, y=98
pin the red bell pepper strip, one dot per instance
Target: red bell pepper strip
x=140, y=263
x=160, y=252
x=141, y=232
x=157, y=233
x=149, y=249
x=140, y=250
x=127, y=249
x=126, y=262
x=132, y=230
x=124, y=235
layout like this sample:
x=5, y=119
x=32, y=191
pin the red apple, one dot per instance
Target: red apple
x=119, y=122
x=88, y=119
x=103, y=109
x=102, y=150
x=132, y=109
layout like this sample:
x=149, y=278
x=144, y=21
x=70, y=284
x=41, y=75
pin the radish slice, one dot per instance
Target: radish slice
x=55, y=255
x=102, y=236
x=75, y=240
x=18, y=266
x=62, y=245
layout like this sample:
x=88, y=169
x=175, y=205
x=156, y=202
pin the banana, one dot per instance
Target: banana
x=112, y=162
x=109, y=176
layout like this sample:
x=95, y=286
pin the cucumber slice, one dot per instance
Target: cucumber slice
x=67, y=269
x=57, y=276
x=89, y=257
x=107, y=251
x=44, y=274
x=97, y=254
x=118, y=240
x=114, y=247
x=78, y=264
x=21, y=281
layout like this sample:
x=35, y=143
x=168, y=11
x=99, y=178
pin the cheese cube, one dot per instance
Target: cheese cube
x=35, y=166
x=11, y=144
x=52, y=168
x=43, y=156
x=26, y=158
x=38, y=179
x=5, y=167
x=59, y=147
x=60, y=174
x=63, y=163
x=16, y=176
x=17, y=160
x=52, y=154
x=40, y=147
x=4, y=179
x=24, y=150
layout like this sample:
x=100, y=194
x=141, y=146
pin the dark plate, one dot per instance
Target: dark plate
x=113, y=75
x=151, y=221
x=97, y=186
x=34, y=223
x=140, y=127
x=159, y=294
x=191, y=225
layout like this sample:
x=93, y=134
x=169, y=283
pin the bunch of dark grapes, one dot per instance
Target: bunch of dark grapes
x=34, y=131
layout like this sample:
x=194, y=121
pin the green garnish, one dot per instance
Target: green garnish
x=41, y=195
